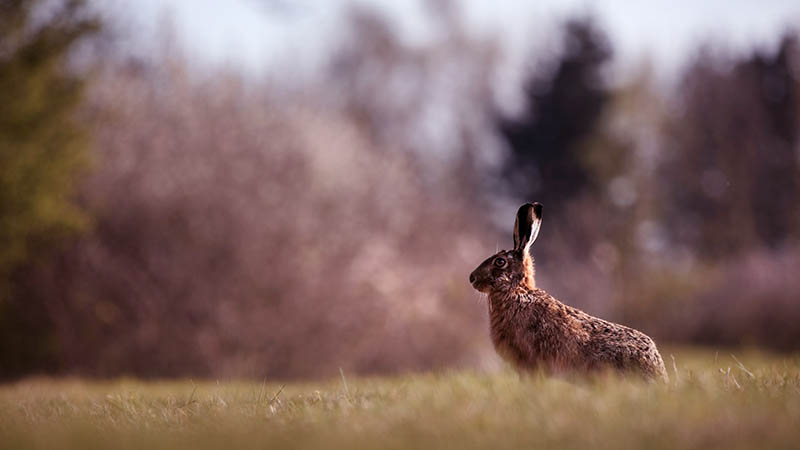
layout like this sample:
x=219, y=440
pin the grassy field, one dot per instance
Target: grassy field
x=714, y=400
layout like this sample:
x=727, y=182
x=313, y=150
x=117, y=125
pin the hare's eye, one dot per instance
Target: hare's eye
x=500, y=262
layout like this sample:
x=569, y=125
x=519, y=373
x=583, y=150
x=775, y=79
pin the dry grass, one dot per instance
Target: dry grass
x=751, y=400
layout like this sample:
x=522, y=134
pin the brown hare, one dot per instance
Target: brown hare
x=533, y=330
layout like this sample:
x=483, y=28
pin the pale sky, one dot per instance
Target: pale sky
x=260, y=34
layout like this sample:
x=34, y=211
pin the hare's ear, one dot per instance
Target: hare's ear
x=526, y=227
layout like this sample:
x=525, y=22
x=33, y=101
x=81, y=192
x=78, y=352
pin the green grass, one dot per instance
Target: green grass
x=715, y=401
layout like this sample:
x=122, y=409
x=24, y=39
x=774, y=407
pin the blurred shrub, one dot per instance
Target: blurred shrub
x=43, y=151
x=241, y=231
x=752, y=301
x=748, y=301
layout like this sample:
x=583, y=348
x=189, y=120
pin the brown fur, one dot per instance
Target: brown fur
x=533, y=330
x=528, y=271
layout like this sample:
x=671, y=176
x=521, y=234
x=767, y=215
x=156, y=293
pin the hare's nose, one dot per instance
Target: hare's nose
x=471, y=278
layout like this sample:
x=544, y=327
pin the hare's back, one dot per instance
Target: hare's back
x=617, y=346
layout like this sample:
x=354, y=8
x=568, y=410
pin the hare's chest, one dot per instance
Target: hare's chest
x=509, y=352
x=507, y=338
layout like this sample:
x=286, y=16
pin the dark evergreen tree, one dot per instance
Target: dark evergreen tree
x=563, y=108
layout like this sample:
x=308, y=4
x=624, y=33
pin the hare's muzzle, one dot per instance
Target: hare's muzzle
x=477, y=282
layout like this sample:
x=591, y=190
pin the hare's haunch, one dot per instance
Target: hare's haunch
x=533, y=330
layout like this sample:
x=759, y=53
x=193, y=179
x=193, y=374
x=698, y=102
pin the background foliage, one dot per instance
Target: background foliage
x=242, y=226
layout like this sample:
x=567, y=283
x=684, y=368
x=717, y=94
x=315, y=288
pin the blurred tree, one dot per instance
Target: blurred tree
x=776, y=201
x=439, y=90
x=731, y=172
x=42, y=151
x=563, y=109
